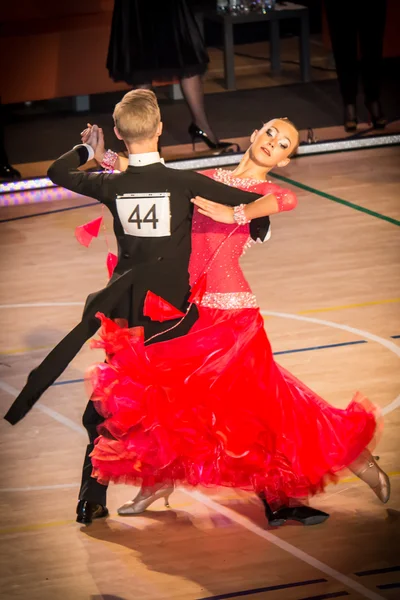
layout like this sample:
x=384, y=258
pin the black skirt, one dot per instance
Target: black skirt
x=154, y=40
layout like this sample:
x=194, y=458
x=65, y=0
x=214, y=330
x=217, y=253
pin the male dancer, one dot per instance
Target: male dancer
x=151, y=208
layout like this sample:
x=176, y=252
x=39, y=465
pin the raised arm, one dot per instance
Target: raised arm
x=107, y=159
x=282, y=200
x=64, y=172
x=231, y=197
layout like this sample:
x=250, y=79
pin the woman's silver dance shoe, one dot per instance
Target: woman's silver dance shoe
x=144, y=498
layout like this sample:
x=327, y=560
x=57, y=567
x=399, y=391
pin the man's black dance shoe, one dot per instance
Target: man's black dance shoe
x=303, y=514
x=87, y=511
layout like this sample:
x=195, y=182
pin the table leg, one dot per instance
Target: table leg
x=81, y=103
x=229, y=57
x=304, y=47
x=175, y=92
x=275, y=46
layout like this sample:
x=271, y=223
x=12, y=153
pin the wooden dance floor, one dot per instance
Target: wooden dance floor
x=328, y=283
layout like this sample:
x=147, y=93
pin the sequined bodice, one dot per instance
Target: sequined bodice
x=217, y=248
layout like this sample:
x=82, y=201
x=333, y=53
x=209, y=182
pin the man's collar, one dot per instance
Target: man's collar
x=144, y=159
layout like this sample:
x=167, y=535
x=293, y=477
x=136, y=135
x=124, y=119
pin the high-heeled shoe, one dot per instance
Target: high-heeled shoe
x=303, y=514
x=382, y=489
x=144, y=498
x=198, y=134
x=8, y=173
x=350, y=118
x=376, y=117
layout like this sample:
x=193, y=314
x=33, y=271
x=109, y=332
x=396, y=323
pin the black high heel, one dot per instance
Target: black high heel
x=350, y=118
x=376, y=117
x=198, y=134
x=303, y=514
x=8, y=173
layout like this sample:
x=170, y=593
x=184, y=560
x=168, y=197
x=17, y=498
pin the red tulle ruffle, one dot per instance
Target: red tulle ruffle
x=214, y=408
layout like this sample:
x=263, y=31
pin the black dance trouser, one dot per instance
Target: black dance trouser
x=91, y=490
x=353, y=22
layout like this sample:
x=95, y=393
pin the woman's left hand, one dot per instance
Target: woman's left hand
x=213, y=210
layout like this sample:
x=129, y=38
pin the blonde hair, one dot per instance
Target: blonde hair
x=297, y=144
x=137, y=115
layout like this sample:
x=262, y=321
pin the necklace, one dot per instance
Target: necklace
x=226, y=177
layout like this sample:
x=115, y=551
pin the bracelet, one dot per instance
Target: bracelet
x=238, y=215
x=109, y=160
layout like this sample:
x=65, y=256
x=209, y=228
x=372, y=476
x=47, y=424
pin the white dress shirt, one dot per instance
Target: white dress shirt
x=144, y=159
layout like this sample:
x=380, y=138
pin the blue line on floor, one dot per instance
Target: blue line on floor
x=389, y=586
x=395, y=337
x=49, y=212
x=320, y=347
x=68, y=381
x=263, y=589
x=377, y=571
x=327, y=596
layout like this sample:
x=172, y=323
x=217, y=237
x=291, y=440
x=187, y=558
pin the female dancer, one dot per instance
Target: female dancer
x=213, y=407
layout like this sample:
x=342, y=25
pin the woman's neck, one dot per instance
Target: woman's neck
x=249, y=169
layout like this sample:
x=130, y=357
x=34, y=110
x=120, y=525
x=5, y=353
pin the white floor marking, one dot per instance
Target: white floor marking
x=38, y=488
x=49, y=411
x=285, y=546
x=41, y=304
x=360, y=332
x=33, y=488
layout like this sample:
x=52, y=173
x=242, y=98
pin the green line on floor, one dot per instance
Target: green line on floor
x=308, y=188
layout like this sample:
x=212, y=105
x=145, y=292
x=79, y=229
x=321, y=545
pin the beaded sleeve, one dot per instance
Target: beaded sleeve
x=287, y=200
x=109, y=160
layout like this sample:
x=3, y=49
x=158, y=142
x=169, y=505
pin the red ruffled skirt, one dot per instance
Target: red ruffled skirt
x=214, y=408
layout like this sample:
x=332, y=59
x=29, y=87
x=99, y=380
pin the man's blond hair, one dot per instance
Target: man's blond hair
x=137, y=116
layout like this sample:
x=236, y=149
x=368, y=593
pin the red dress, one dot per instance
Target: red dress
x=213, y=407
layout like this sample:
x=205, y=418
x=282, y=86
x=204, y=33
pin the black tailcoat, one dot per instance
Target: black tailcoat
x=152, y=223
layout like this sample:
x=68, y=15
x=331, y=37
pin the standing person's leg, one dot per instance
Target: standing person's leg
x=6, y=170
x=342, y=22
x=92, y=495
x=193, y=92
x=200, y=128
x=372, y=21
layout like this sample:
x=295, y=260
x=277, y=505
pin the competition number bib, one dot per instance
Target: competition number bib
x=145, y=215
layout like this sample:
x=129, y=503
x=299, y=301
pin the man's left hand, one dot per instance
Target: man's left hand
x=213, y=210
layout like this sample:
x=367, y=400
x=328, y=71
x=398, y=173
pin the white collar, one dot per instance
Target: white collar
x=145, y=158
